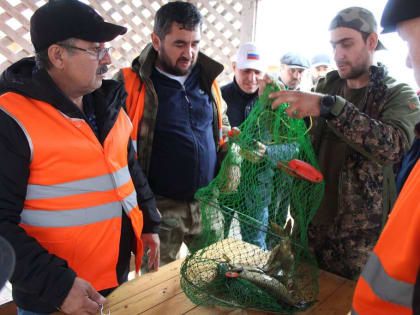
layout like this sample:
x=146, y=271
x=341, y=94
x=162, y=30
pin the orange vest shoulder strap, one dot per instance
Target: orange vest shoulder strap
x=135, y=99
x=218, y=95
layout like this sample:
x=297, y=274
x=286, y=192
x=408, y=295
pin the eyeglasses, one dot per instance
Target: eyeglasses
x=98, y=52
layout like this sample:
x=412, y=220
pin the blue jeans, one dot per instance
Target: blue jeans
x=23, y=312
x=256, y=234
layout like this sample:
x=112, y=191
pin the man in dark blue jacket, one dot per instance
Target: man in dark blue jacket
x=180, y=129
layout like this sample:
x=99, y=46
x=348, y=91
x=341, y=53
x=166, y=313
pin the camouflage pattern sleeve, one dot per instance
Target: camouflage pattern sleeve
x=387, y=138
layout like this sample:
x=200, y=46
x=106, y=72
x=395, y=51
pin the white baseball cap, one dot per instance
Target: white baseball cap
x=249, y=57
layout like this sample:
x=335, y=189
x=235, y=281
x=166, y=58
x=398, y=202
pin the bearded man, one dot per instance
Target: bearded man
x=178, y=117
x=365, y=126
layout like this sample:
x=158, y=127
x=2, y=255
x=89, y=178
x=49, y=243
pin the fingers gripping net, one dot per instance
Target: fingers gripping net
x=253, y=251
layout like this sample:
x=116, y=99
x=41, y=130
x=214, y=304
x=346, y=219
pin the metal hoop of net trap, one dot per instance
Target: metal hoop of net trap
x=253, y=251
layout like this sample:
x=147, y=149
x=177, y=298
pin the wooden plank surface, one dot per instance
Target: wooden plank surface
x=160, y=293
x=142, y=293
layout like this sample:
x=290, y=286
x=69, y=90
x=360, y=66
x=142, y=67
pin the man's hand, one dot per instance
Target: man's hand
x=82, y=299
x=152, y=241
x=302, y=104
x=255, y=155
x=262, y=83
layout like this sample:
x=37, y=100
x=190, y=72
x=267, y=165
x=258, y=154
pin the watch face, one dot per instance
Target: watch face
x=327, y=100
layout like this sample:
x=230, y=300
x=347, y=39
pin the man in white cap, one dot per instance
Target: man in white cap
x=240, y=96
x=242, y=93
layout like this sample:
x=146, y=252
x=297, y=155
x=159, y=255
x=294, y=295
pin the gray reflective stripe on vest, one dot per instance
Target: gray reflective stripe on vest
x=67, y=218
x=93, y=184
x=384, y=286
x=134, y=142
x=130, y=202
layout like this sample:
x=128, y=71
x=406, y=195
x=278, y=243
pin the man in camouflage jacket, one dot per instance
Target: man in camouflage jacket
x=364, y=128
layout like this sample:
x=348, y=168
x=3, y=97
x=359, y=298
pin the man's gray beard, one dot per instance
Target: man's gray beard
x=102, y=69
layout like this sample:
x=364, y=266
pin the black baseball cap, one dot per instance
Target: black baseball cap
x=7, y=261
x=397, y=11
x=59, y=20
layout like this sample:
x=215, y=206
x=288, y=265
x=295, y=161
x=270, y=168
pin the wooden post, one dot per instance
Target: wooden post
x=249, y=20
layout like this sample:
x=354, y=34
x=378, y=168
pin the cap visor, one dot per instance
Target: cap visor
x=320, y=64
x=103, y=32
x=389, y=29
x=380, y=46
x=251, y=65
x=296, y=67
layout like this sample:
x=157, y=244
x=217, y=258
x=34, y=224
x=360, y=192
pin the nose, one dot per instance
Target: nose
x=252, y=77
x=188, y=51
x=338, y=54
x=297, y=74
x=106, y=59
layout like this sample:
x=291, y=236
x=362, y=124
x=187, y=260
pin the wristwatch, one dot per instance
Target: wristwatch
x=327, y=102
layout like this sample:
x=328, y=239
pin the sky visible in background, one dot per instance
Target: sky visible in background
x=302, y=26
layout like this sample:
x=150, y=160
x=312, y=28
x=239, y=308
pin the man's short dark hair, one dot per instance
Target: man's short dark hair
x=183, y=13
x=41, y=57
x=365, y=36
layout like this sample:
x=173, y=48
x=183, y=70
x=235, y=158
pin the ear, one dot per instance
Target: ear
x=156, y=42
x=56, y=54
x=372, y=41
x=234, y=66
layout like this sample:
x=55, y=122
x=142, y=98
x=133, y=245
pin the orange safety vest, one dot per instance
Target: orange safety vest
x=77, y=188
x=135, y=103
x=386, y=285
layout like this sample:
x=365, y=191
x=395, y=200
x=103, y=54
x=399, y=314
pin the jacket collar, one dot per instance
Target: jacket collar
x=242, y=93
x=377, y=74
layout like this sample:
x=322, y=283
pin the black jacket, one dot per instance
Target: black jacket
x=239, y=103
x=41, y=281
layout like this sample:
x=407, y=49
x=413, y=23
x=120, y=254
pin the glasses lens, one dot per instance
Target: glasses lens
x=103, y=52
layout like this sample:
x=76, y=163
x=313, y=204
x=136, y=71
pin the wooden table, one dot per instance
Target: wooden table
x=160, y=293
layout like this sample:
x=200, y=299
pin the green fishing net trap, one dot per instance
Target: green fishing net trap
x=253, y=251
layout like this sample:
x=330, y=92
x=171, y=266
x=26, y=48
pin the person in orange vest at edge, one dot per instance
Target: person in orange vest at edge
x=390, y=280
x=179, y=119
x=68, y=177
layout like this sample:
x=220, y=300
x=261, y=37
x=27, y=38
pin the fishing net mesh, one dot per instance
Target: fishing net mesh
x=253, y=251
